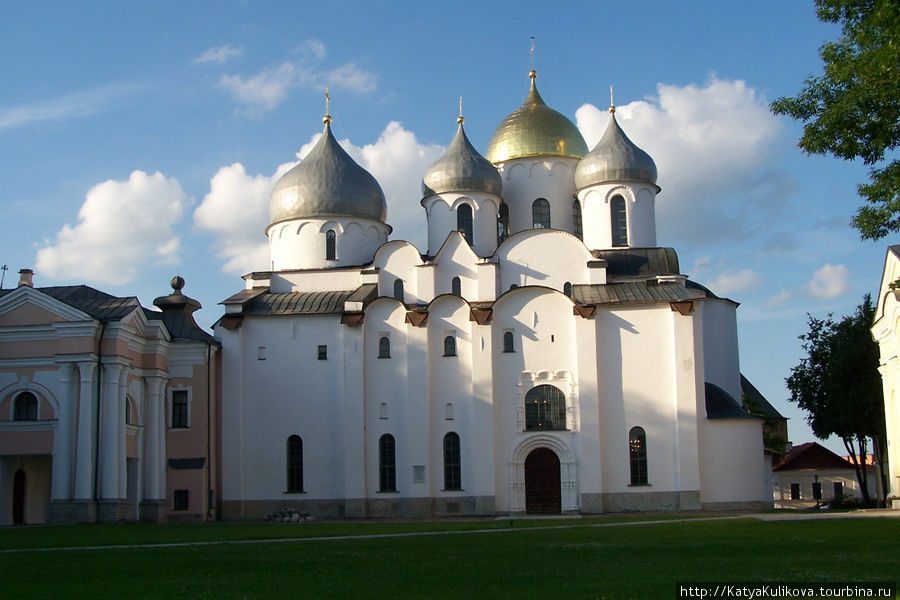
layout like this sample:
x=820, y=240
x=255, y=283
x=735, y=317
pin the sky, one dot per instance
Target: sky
x=140, y=140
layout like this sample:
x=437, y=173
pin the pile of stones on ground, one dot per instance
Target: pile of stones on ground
x=288, y=515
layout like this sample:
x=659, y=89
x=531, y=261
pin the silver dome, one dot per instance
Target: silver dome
x=327, y=183
x=461, y=168
x=614, y=158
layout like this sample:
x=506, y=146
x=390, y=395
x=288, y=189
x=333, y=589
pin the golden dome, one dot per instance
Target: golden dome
x=535, y=129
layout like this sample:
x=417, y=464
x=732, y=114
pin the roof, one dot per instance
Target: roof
x=633, y=292
x=811, y=456
x=461, y=168
x=263, y=303
x=614, y=158
x=99, y=305
x=722, y=405
x=756, y=398
x=639, y=262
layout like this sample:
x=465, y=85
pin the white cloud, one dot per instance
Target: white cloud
x=123, y=226
x=76, y=104
x=830, y=281
x=236, y=212
x=351, y=78
x=265, y=90
x=779, y=299
x=734, y=281
x=713, y=146
x=316, y=48
x=219, y=54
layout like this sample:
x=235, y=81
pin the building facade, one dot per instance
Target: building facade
x=886, y=331
x=541, y=355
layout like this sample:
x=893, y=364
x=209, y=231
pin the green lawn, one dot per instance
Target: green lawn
x=522, y=559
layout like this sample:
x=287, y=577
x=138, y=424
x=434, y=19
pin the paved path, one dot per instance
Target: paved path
x=799, y=516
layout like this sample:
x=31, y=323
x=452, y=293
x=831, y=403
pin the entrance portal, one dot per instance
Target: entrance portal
x=542, y=482
x=19, y=497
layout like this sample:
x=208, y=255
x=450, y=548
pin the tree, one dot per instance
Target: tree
x=853, y=110
x=839, y=386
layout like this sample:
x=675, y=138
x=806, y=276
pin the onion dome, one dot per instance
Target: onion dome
x=327, y=183
x=461, y=168
x=614, y=158
x=535, y=129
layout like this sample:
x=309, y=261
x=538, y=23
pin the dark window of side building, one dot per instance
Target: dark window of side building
x=795, y=491
x=545, y=408
x=838, y=490
x=330, y=245
x=181, y=500
x=180, y=409
x=322, y=352
x=464, y=221
x=540, y=214
x=294, y=464
x=456, y=286
x=508, y=342
x=26, y=407
x=384, y=347
x=502, y=222
x=387, y=464
x=398, y=289
x=567, y=289
x=452, y=469
x=449, y=346
x=619, y=222
x=576, y=220
x=637, y=452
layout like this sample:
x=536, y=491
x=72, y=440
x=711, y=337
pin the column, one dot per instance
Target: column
x=123, y=461
x=84, y=452
x=155, y=441
x=63, y=466
x=109, y=433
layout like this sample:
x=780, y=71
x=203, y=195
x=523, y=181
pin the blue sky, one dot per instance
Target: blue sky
x=140, y=140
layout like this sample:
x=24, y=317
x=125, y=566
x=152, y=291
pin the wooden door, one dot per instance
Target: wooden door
x=542, y=482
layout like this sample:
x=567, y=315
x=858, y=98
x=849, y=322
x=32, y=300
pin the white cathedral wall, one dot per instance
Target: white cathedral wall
x=720, y=344
x=300, y=244
x=640, y=212
x=732, y=464
x=442, y=219
x=399, y=260
x=542, y=257
x=527, y=179
x=455, y=260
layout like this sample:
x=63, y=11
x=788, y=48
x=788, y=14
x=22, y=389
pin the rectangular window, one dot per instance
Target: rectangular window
x=817, y=490
x=322, y=352
x=180, y=409
x=795, y=491
x=838, y=490
x=181, y=501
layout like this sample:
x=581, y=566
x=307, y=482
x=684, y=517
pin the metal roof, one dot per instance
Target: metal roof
x=299, y=303
x=614, y=158
x=639, y=262
x=97, y=304
x=755, y=396
x=633, y=292
x=722, y=405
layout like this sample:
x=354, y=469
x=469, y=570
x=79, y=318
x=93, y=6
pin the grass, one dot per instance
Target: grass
x=568, y=558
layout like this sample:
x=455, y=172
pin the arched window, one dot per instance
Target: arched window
x=567, y=289
x=449, y=346
x=452, y=471
x=576, y=220
x=387, y=464
x=330, y=250
x=508, y=342
x=294, y=464
x=26, y=407
x=128, y=412
x=384, y=347
x=619, y=221
x=540, y=214
x=502, y=222
x=637, y=452
x=545, y=408
x=464, y=221
x=398, y=289
x=455, y=287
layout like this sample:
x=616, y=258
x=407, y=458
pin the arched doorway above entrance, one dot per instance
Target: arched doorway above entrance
x=542, y=482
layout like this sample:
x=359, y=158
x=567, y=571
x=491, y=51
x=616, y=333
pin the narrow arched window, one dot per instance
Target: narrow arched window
x=540, y=214
x=384, y=347
x=508, y=342
x=452, y=470
x=502, y=222
x=567, y=289
x=637, y=453
x=294, y=464
x=455, y=287
x=619, y=221
x=464, y=221
x=576, y=220
x=387, y=464
x=330, y=248
x=128, y=412
x=449, y=346
x=26, y=407
x=545, y=408
x=398, y=289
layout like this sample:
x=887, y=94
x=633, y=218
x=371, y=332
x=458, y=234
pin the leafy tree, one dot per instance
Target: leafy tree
x=839, y=386
x=853, y=110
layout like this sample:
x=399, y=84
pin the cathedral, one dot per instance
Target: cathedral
x=542, y=355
